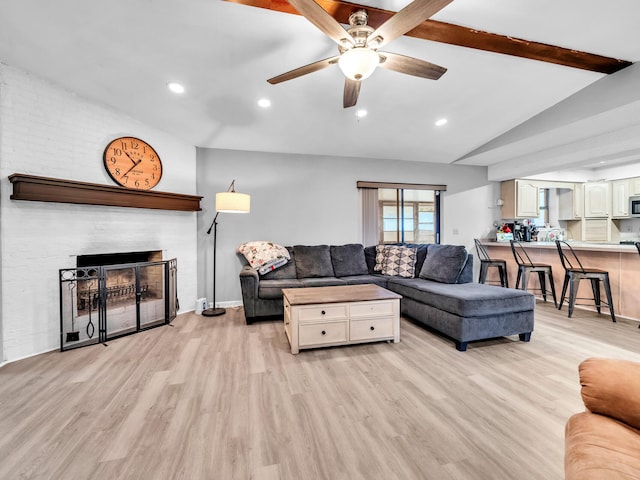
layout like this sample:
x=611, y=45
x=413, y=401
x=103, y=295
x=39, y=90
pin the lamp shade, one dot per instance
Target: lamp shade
x=232, y=202
x=358, y=63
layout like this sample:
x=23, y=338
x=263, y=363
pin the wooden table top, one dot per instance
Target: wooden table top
x=337, y=294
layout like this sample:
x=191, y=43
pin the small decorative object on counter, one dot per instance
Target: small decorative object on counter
x=504, y=233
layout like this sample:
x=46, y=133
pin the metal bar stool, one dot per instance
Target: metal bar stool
x=526, y=266
x=574, y=272
x=486, y=262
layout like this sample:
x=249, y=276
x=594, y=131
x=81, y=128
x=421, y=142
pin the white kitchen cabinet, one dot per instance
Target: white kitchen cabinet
x=634, y=186
x=521, y=199
x=571, y=203
x=597, y=200
x=620, y=199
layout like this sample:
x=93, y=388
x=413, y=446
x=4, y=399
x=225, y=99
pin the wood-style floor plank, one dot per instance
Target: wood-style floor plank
x=210, y=397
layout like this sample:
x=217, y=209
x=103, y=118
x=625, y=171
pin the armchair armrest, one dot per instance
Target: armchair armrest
x=611, y=387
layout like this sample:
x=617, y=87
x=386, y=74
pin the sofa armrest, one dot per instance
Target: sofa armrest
x=611, y=387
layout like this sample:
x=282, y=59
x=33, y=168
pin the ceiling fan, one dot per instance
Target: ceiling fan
x=358, y=45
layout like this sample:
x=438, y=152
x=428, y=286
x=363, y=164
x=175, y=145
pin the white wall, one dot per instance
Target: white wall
x=313, y=200
x=47, y=131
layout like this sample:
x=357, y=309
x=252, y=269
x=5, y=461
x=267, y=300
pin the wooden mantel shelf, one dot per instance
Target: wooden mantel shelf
x=44, y=189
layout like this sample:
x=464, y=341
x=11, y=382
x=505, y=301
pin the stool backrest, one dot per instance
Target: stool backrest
x=520, y=254
x=568, y=256
x=482, y=252
x=638, y=246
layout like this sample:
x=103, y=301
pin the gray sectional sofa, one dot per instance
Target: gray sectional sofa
x=441, y=294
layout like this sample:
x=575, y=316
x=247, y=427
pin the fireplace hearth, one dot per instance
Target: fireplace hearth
x=111, y=295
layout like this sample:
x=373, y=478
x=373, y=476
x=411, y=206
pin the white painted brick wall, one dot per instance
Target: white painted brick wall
x=47, y=131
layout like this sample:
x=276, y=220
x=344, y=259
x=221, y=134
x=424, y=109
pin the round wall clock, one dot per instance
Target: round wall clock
x=132, y=163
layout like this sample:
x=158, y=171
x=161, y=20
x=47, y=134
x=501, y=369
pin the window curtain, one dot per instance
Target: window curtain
x=369, y=204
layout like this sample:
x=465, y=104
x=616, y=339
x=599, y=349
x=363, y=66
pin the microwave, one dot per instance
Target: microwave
x=634, y=206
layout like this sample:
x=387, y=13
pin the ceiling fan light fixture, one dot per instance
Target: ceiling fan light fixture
x=358, y=63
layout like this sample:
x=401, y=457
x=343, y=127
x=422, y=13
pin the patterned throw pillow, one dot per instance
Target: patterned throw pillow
x=262, y=254
x=400, y=261
x=381, y=253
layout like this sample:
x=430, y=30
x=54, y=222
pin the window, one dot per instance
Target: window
x=400, y=215
x=543, y=205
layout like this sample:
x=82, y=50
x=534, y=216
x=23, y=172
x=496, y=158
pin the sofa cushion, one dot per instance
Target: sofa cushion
x=286, y=271
x=273, y=288
x=348, y=260
x=313, y=261
x=400, y=261
x=463, y=299
x=444, y=263
x=321, y=282
x=598, y=447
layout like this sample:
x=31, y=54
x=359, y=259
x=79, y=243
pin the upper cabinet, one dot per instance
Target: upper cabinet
x=596, y=199
x=634, y=186
x=620, y=198
x=571, y=203
x=521, y=199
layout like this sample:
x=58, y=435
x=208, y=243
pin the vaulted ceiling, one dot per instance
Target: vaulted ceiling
x=506, y=112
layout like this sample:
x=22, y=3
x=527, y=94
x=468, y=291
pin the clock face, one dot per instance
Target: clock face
x=132, y=163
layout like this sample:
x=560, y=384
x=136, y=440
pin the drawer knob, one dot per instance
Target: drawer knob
x=324, y=332
x=323, y=312
x=372, y=328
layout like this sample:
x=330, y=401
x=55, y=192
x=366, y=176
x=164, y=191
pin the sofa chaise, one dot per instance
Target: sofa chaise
x=439, y=293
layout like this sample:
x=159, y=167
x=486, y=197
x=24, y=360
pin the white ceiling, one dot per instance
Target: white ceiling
x=123, y=52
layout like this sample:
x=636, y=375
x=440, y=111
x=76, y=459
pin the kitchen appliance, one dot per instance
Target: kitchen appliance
x=634, y=206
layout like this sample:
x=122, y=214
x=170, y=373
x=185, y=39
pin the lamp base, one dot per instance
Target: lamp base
x=213, y=312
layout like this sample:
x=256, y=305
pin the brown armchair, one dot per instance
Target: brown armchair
x=603, y=442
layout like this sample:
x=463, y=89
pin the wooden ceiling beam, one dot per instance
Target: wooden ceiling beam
x=462, y=36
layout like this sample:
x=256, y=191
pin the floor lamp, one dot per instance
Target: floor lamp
x=226, y=202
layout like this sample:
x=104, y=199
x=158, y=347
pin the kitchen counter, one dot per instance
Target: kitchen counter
x=621, y=261
x=589, y=246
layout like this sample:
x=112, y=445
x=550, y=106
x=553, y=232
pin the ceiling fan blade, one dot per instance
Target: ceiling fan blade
x=321, y=19
x=407, y=19
x=410, y=66
x=298, y=72
x=351, y=92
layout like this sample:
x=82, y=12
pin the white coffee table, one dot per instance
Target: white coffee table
x=341, y=315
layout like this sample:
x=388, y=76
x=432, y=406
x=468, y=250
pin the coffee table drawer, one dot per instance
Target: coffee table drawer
x=371, y=309
x=371, y=329
x=323, y=333
x=322, y=313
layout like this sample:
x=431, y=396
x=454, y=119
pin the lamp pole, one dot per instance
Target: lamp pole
x=214, y=312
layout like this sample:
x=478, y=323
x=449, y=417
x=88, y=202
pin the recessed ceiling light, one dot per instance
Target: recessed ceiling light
x=175, y=87
x=602, y=162
x=441, y=122
x=264, y=103
x=361, y=113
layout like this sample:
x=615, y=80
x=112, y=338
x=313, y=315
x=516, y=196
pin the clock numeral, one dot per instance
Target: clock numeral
x=146, y=182
x=134, y=145
x=137, y=183
x=125, y=178
x=153, y=176
x=117, y=151
x=113, y=160
x=118, y=171
x=155, y=168
x=123, y=145
x=152, y=158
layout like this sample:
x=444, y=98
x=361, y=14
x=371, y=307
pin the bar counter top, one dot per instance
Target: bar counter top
x=621, y=261
x=588, y=246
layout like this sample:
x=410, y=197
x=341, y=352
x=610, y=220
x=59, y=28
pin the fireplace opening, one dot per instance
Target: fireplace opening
x=115, y=294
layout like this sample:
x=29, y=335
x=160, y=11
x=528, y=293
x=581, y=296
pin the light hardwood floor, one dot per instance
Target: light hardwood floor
x=213, y=398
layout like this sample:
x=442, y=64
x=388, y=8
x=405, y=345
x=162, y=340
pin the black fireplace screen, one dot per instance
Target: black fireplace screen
x=99, y=303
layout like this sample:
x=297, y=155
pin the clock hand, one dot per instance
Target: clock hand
x=136, y=164
x=130, y=158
